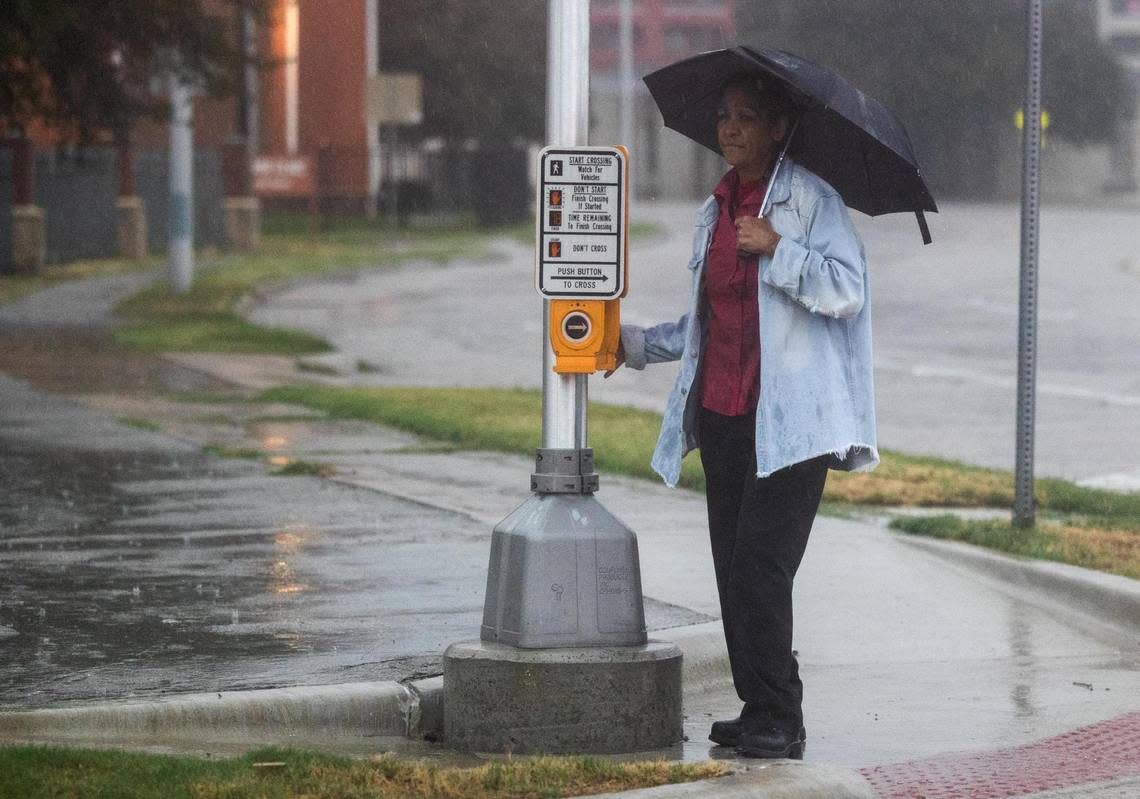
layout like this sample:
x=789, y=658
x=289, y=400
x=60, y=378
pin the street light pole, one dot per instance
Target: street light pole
x=1023, y=503
x=564, y=396
x=248, y=116
x=628, y=108
x=180, y=267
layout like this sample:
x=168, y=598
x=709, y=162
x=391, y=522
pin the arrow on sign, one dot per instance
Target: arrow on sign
x=577, y=277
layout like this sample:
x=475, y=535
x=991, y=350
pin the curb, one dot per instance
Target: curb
x=393, y=709
x=412, y=710
x=1083, y=589
x=376, y=708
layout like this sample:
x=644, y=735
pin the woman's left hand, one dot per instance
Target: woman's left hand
x=756, y=236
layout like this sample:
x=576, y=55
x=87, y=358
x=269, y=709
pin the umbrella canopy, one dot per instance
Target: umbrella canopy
x=849, y=139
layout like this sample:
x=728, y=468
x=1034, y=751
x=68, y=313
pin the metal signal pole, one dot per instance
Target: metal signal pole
x=564, y=396
x=563, y=633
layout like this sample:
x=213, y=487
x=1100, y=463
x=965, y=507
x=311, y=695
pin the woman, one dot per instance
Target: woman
x=774, y=388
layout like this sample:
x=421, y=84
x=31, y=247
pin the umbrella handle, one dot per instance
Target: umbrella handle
x=923, y=228
x=779, y=162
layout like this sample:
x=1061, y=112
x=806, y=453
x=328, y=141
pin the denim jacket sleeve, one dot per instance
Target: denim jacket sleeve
x=657, y=344
x=824, y=272
x=667, y=341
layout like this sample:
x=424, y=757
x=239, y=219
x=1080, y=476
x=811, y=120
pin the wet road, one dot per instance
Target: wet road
x=133, y=564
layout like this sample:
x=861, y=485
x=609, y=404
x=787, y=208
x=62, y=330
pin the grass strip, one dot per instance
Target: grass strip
x=140, y=424
x=1114, y=551
x=1099, y=529
x=218, y=335
x=286, y=466
x=499, y=420
x=41, y=772
x=221, y=451
x=509, y=420
x=301, y=468
x=204, y=320
x=13, y=286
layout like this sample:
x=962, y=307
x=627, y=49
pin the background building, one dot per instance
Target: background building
x=311, y=99
x=1118, y=22
x=314, y=96
x=665, y=164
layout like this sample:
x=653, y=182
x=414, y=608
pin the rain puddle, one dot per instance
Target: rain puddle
x=85, y=361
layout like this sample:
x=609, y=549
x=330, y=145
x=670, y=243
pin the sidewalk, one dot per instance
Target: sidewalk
x=138, y=566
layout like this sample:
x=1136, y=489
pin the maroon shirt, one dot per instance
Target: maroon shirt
x=731, y=372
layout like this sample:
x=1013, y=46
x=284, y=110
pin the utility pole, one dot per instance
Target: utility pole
x=1023, y=502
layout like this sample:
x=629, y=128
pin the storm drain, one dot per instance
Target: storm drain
x=1109, y=750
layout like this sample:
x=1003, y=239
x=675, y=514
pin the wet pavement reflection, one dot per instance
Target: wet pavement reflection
x=135, y=563
x=84, y=360
x=138, y=570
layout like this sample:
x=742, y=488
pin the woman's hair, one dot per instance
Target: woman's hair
x=767, y=94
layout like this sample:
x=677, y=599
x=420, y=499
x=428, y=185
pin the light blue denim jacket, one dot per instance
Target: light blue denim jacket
x=816, y=388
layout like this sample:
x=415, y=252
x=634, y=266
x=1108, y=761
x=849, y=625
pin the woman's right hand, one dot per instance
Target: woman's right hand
x=618, y=362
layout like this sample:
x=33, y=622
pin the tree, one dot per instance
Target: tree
x=85, y=65
x=954, y=72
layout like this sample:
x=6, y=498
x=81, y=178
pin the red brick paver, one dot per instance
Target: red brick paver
x=1100, y=752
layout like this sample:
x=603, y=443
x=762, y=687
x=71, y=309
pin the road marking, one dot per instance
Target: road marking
x=1115, y=481
x=1001, y=381
x=1010, y=310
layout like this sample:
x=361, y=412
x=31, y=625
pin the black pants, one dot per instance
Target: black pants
x=759, y=530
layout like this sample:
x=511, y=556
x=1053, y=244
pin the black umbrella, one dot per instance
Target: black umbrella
x=850, y=140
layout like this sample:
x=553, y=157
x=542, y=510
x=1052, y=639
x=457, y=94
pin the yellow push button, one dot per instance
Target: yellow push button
x=584, y=335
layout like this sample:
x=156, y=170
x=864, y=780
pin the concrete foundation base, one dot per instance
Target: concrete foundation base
x=594, y=700
x=130, y=227
x=243, y=223
x=29, y=239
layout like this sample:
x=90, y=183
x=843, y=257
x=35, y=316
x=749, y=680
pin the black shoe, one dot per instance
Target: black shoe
x=727, y=733
x=773, y=742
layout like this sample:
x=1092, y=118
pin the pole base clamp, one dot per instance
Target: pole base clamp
x=564, y=471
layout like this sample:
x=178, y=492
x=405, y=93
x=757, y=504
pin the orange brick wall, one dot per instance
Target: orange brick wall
x=333, y=89
x=271, y=86
x=331, y=95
